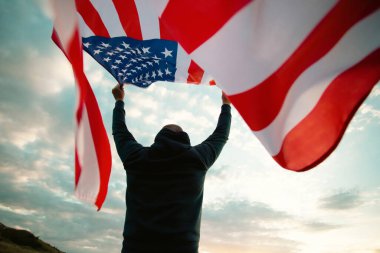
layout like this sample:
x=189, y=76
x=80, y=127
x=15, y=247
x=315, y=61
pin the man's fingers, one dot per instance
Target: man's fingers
x=118, y=86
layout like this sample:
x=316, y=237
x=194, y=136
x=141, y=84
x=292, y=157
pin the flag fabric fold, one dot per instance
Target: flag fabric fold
x=295, y=70
x=92, y=148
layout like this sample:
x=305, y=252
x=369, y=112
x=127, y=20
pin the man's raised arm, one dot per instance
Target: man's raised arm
x=125, y=143
x=213, y=145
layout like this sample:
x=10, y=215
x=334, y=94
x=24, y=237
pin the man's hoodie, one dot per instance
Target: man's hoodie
x=165, y=185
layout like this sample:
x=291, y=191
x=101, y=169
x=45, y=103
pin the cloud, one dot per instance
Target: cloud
x=16, y=210
x=245, y=225
x=45, y=7
x=342, y=200
x=243, y=211
x=368, y=113
x=376, y=91
x=317, y=226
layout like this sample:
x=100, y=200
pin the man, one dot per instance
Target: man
x=165, y=183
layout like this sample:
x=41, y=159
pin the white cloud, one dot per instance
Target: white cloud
x=46, y=8
x=376, y=91
x=24, y=137
x=48, y=75
x=366, y=115
x=189, y=122
x=134, y=112
x=370, y=111
x=341, y=200
x=150, y=119
x=17, y=210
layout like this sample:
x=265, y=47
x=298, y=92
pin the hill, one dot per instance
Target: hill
x=22, y=241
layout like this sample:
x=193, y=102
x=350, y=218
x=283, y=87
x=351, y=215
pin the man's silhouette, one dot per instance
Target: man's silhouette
x=165, y=183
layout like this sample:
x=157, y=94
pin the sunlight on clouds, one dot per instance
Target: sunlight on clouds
x=141, y=100
x=341, y=200
x=208, y=106
x=17, y=210
x=22, y=176
x=150, y=119
x=134, y=113
x=366, y=115
x=60, y=73
x=26, y=136
x=164, y=89
x=46, y=8
x=350, y=229
x=244, y=182
x=188, y=121
x=370, y=111
x=112, y=211
x=119, y=194
x=96, y=74
x=376, y=91
x=362, y=238
x=58, y=192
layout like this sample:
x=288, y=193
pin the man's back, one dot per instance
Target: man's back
x=165, y=185
x=164, y=196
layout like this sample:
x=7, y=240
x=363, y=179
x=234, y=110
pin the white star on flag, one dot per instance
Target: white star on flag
x=167, y=53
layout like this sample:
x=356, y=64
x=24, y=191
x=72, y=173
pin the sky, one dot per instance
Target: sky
x=251, y=204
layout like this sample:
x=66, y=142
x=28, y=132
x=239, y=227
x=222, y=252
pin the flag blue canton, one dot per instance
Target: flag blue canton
x=134, y=61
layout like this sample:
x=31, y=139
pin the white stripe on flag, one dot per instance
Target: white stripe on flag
x=357, y=43
x=183, y=63
x=64, y=21
x=206, y=78
x=85, y=31
x=158, y=6
x=148, y=16
x=253, y=54
x=109, y=16
x=89, y=181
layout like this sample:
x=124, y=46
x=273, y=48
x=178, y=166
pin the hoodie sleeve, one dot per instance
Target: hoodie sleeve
x=125, y=143
x=213, y=145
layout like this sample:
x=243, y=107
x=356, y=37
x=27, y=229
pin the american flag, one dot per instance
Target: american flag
x=135, y=61
x=295, y=70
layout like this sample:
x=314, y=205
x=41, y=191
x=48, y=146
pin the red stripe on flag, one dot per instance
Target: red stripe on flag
x=260, y=105
x=129, y=18
x=92, y=18
x=78, y=168
x=101, y=142
x=98, y=132
x=57, y=41
x=193, y=22
x=195, y=73
x=308, y=143
x=73, y=51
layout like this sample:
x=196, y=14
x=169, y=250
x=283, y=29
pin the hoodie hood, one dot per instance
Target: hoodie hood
x=169, y=143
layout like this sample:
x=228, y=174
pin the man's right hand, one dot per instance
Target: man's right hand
x=225, y=99
x=118, y=92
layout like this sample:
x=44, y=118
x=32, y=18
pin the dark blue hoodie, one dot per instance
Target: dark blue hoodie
x=165, y=185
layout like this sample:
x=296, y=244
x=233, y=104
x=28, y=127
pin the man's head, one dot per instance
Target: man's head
x=174, y=128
